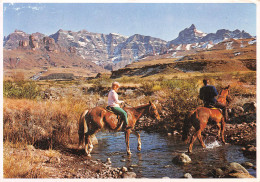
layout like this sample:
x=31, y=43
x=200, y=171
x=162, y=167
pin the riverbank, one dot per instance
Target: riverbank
x=73, y=163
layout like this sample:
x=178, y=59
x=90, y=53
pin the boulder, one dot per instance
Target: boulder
x=239, y=175
x=219, y=172
x=187, y=175
x=108, y=161
x=236, y=168
x=248, y=164
x=249, y=107
x=124, y=169
x=249, y=150
x=237, y=110
x=129, y=175
x=181, y=159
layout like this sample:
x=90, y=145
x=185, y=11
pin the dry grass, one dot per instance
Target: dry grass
x=23, y=161
x=151, y=62
x=42, y=123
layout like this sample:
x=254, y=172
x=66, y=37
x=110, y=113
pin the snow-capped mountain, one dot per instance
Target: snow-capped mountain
x=192, y=35
x=113, y=51
x=188, y=36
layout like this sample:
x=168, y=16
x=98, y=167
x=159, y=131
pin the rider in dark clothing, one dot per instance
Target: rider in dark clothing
x=208, y=94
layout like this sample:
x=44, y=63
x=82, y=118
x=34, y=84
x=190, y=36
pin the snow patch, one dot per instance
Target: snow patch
x=82, y=44
x=188, y=46
x=179, y=47
x=209, y=46
x=70, y=37
x=237, y=53
x=229, y=45
x=252, y=41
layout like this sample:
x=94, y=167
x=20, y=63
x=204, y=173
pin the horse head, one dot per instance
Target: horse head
x=153, y=112
x=224, y=95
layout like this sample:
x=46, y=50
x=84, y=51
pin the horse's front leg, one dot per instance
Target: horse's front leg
x=219, y=130
x=139, y=140
x=223, y=124
x=127, y=136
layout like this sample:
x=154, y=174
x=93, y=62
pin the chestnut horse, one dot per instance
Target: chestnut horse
x=98, y=118
x=199, y=118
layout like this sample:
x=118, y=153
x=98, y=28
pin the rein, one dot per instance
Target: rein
x=128, y=104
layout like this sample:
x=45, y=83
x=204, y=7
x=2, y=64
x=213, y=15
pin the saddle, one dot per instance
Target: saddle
x=109, y=109
x=214, y=108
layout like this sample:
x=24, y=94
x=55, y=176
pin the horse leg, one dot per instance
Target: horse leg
x=82, y=129
x=88, y=145
x=219, y=129
x=127, y=135
x=193, y=139
x=200, y=138
x=139, y=140
x=223, y=124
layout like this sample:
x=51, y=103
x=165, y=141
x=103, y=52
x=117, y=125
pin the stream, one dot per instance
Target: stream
x=155, y=158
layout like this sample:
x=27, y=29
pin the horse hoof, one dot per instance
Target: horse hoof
x=129, y=153
x=88, y=155
x=139, y=148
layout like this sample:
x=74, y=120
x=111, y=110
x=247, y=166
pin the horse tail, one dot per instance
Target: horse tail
x=187, y=126
x=83, y=128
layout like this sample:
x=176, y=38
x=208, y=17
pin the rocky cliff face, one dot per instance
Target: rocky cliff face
x=111, y=51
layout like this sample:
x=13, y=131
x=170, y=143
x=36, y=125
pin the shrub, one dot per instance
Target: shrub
x=21, y=89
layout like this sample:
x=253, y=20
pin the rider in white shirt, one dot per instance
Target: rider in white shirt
x=113, y=102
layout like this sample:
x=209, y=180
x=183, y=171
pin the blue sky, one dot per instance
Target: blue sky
x=161, y=20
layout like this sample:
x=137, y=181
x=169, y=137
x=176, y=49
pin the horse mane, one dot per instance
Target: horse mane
x=142, y=106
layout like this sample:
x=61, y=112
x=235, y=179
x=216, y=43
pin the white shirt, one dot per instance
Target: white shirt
x=113, y=99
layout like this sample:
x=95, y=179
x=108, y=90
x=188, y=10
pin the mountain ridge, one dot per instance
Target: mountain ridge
x=114, y=51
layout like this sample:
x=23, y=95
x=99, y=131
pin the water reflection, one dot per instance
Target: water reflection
x=155, y=159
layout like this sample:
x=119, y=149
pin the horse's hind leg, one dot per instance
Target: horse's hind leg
x=200, y=139
x=89, y=145
x=139, y=140
x=193, y=139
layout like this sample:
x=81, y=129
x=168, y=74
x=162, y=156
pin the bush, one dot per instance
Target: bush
x=183, y=97
x=21, y=89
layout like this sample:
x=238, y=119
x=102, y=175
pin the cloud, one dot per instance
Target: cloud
x=17, y=9
x=34, y=8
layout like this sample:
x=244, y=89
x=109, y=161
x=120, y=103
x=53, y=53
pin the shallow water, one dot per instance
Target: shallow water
x=155, y=158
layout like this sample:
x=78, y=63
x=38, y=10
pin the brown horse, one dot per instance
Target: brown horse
x=98, y=118
x=199, y=118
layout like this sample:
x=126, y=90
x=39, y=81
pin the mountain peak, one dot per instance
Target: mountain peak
x=192, y=27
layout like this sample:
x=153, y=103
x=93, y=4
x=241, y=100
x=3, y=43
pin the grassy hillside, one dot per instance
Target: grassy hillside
x=29, y=63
